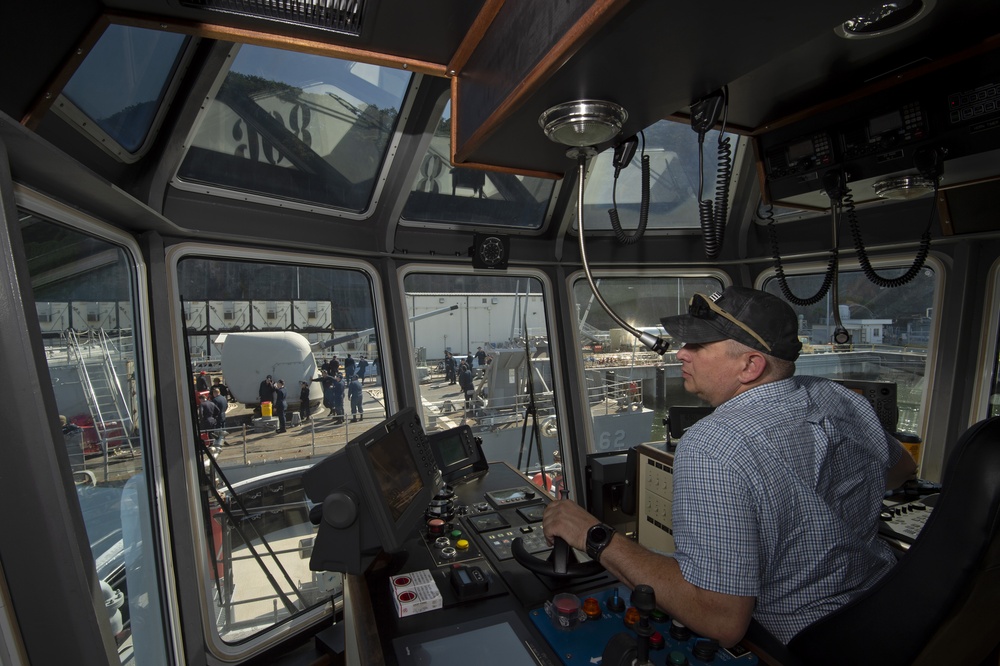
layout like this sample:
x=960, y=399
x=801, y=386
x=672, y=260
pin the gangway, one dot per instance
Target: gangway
x=106, y=401
x=594, y=334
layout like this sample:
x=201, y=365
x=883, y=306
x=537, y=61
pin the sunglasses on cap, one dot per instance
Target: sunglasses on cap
x=703, y=307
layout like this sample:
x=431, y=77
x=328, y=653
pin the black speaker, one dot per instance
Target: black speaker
x=490, y=251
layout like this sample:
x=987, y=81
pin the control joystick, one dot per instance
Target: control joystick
x=625, y=650
x=644, y=601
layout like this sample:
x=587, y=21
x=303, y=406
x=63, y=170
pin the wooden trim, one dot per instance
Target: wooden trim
x=944, y=214
x=454, y=118
x=593, y=20
x=486, y=167
x=54, y=87
x=517, y=172
x=765, y=192
x=473, y=37
x=258, y=38
x=966, y=183
x=797, y=206
x=363, y=619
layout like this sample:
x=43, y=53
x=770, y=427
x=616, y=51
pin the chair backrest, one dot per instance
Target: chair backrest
x=941, y=603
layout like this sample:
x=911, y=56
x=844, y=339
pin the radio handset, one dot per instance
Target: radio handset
x=835, y=186
x=705, y=113
x=624, y=152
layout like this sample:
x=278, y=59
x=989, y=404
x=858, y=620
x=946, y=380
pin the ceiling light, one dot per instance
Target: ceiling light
x=583, y=123
x=903, y=188
x=885, y=19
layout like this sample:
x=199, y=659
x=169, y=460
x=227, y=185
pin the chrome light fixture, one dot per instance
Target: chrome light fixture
x=583, y=123
x=884, y=19
x=903, y=188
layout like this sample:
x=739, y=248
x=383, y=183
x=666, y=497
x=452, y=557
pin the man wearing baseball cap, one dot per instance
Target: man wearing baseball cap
x=777, y=493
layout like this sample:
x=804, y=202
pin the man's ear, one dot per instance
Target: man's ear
x=754, y=366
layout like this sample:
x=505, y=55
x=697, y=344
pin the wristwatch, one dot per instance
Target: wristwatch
x=598, y=538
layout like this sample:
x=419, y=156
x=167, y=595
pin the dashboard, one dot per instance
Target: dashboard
x=456, y=591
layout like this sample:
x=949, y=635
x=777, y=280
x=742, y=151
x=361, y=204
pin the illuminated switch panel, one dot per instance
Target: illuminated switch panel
x=655, y=499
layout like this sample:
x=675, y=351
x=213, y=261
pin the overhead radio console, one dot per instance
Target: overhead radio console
x=953, y=111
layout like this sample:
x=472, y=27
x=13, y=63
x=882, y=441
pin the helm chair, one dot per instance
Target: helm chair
x=940, y=604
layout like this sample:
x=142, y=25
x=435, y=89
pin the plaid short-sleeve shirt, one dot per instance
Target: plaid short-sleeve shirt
x=777, y=496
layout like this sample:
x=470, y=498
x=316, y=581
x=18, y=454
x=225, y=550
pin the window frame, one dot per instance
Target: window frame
x=989, y=347
x=555, y=359
x=381, y=176
x=742, y=160
x=930, y=449
x=601, y=274
x=30, y=200
x=276, y=634
x=410, y=176
x=88, y=127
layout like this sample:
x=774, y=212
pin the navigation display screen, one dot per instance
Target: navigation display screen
x=450, y=449
x=495, y=641
x=396, y=470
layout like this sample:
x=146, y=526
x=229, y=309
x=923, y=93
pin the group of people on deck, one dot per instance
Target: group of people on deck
x=334, y=390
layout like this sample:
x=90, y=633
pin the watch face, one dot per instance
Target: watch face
x=597, y=536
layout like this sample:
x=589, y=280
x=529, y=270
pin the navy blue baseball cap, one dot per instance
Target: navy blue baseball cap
x=752, y=317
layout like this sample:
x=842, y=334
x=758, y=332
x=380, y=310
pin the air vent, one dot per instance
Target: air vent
x=342, y=16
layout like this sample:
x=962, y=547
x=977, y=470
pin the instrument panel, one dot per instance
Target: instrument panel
x=495, y=610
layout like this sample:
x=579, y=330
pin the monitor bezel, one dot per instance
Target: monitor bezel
x=394, y=532
x=360, y=522
x=471, y=465
x=406, y=646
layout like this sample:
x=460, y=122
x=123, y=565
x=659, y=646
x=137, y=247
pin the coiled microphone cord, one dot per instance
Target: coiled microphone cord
x=624, y=237
x=831, y=267
x=712, y=215
x=866, y=265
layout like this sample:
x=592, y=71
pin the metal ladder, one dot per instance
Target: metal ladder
x=106, y=400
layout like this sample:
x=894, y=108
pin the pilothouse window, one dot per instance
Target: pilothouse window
x=304, y=325
x=86, y=288
x=460, y=195
x=121, y=84
x=891, y=333
x=672, y=149
x=482, y=358
x=630, y=389
x=297, y=128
